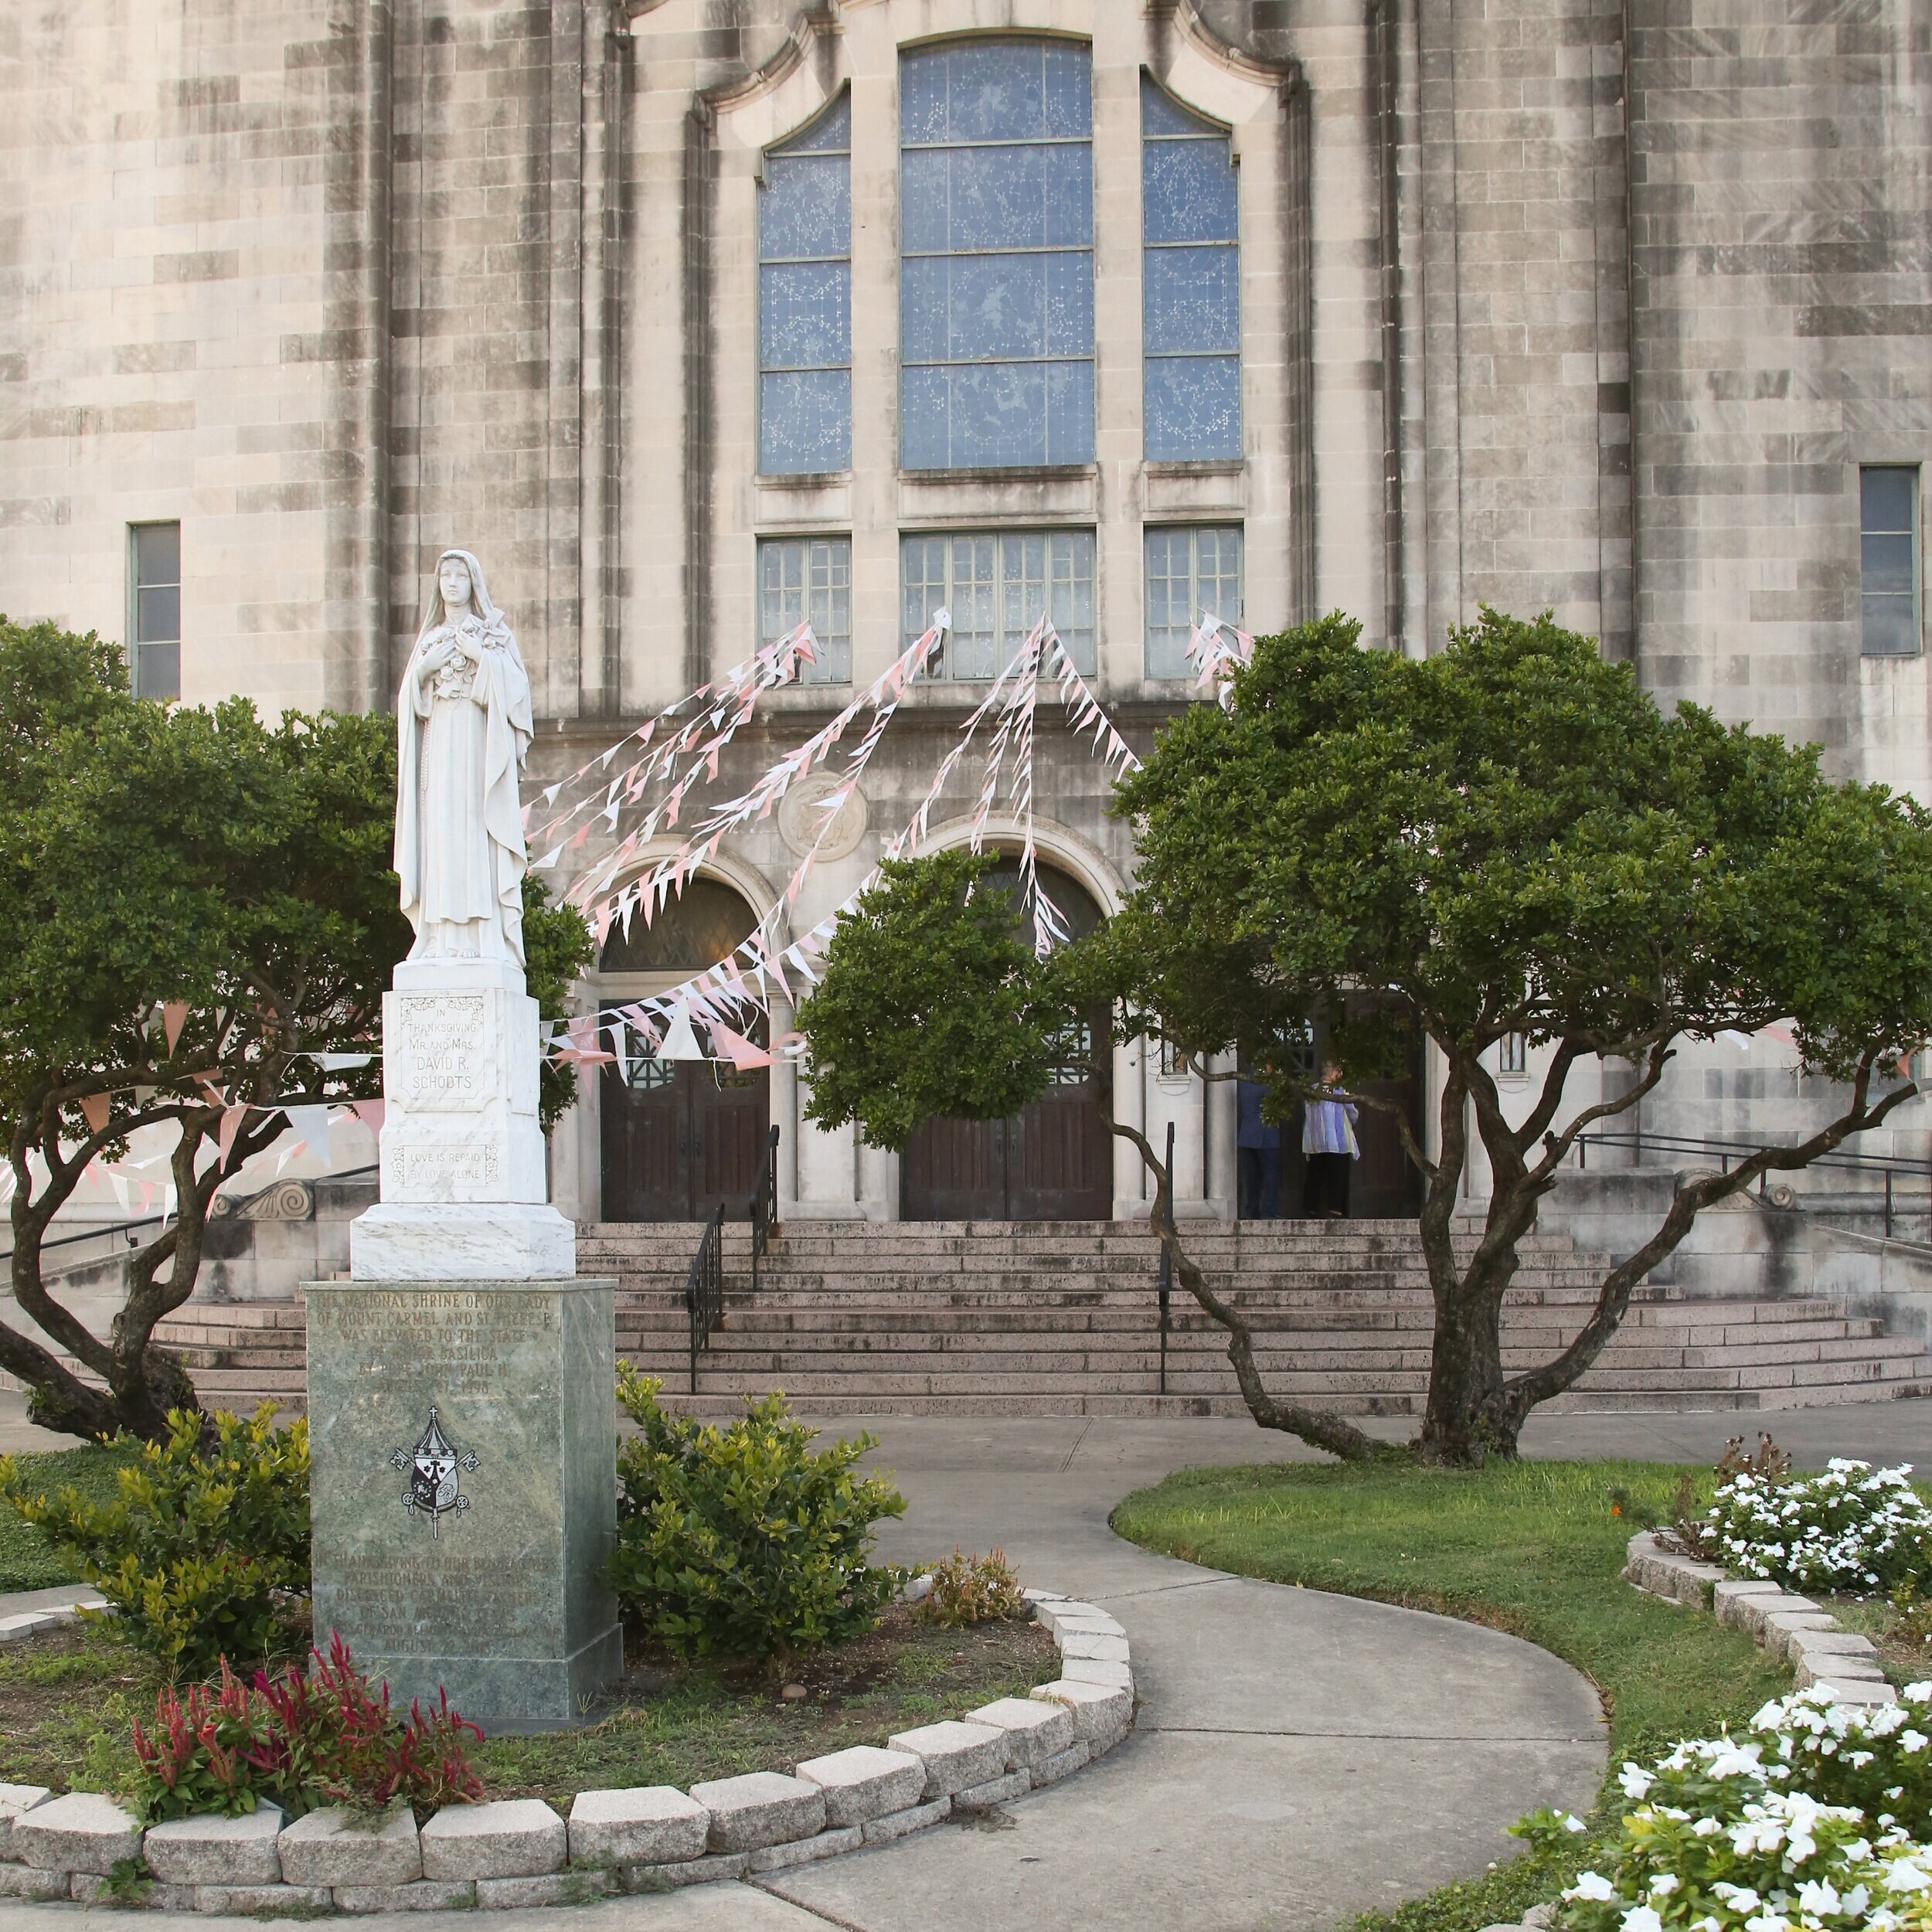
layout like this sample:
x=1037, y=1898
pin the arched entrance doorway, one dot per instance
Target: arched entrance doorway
x=1051, y=1161
x=680, y=1138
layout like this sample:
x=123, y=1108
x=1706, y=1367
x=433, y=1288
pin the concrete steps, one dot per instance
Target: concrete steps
x=1042, y=1318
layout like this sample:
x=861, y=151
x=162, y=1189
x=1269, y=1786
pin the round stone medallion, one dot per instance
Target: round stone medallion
x=799, y=818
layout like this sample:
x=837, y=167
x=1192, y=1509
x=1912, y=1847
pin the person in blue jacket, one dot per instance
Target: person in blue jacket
x=1260, y=1158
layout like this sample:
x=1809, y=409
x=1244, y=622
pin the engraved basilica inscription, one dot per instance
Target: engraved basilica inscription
x=441, y=1038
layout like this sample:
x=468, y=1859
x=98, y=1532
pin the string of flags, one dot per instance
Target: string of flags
x=729, y=999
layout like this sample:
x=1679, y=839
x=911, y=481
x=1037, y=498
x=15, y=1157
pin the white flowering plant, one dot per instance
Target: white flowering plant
x=1850, y=1528
x=1814, y=1822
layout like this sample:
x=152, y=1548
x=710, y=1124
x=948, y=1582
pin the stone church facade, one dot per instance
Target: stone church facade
x=693, y=318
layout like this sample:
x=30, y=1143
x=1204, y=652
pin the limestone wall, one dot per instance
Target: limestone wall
x=191, y=327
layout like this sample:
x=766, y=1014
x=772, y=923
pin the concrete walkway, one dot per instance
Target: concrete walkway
x=1298, y=1756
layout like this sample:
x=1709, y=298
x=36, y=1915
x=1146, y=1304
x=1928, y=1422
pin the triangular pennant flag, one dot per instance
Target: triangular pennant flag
x=94, y=1107
x=174, y=1016
x=231, y=1122
x=311, y=1123
x=371, y=1113
x=742, y=1053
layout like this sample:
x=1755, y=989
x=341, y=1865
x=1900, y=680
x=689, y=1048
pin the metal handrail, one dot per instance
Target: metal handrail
x=1164, y=1280
x=103, y=1229
x=762, y=1210
x=704, y=1289
x=1725, y=1152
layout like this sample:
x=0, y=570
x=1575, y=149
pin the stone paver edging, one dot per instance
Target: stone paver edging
x=1819, y=1648
x=518, y=1852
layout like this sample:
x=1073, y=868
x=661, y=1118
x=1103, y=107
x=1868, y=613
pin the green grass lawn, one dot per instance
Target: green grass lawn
x=1532, y=1548
x=26, y=1562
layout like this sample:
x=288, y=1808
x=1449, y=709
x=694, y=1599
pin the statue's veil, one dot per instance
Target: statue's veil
x=435, y=616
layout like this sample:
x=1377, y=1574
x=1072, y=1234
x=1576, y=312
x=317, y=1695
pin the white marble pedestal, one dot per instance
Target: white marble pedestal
x=462, y=1384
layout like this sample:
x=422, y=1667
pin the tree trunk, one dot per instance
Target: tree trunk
x=1466, y=1421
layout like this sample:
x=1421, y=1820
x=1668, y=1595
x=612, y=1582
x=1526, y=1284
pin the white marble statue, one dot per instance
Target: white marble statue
x=463, y=725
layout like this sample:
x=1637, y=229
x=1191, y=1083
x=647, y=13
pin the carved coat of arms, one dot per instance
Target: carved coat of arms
x=433, y=1464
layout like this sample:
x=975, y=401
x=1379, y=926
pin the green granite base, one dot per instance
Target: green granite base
x=463, y=1493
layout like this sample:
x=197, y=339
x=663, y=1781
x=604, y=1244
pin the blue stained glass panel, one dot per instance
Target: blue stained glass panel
x=1188, y=191
x=1069, y=89
x=996, y=226
x=996, y=198
x=1069, y=305
x=996, y=308
x=804, y=421
x=1191, y=317
x=1069, y=412
x=805, y=211
x=830, y=134
x=1193, y=300
x=1193, y=408
x=804, y=314
x=925, y=418
x=998, y=414
x=996, y=90
x=804, y=299
x=924, y=191
x=1070, y=197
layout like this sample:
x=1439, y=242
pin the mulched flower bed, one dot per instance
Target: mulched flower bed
x=68, y=1696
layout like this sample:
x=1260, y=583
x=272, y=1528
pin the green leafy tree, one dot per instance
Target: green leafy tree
x=202, y=917
x=1509, y=837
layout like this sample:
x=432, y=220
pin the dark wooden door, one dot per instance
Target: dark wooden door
x=682, y=1138
x=1051, y=1161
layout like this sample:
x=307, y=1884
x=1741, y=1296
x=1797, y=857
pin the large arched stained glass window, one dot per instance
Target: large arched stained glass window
x=1191, y=319
x=996, y=274
x=804, y=299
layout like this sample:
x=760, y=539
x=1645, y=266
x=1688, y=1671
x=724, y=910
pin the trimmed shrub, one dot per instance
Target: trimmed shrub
x=745, y=1541
x=971, y=1589
x=208, y=1534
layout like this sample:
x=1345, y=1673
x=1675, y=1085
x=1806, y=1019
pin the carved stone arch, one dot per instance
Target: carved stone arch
x=675, y=1140
x=1082, y=861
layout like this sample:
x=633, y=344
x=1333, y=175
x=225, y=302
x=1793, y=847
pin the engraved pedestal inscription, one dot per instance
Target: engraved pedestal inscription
x=462, y=1436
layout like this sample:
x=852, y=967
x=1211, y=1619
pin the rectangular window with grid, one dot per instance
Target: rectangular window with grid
x=804, y=299
x=996, y=246
x=997, y=584
x=1193, y=570
x=808, y=580
x=154, y=612
x=1889, y=558
x=1513, y=1056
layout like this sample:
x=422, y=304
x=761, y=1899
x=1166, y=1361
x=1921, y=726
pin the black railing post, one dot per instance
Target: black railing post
x=1163, y=1281
x=762, y=1210
x=1888, y=1204
x=704, y=1289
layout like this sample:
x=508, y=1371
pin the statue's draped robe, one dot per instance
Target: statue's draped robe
x=459, y=826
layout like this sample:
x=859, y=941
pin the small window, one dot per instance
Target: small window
x=1191, y=265
x=997, y=585
x=1191, y=572
x=808, y=580
x=1173, y=1062
x=154, y=621
x=804, y=299
x=1889, y=558
x=1513, y=1056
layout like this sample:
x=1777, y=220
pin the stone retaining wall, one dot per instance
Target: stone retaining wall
x=519, y=1852
x=1819, y=1648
